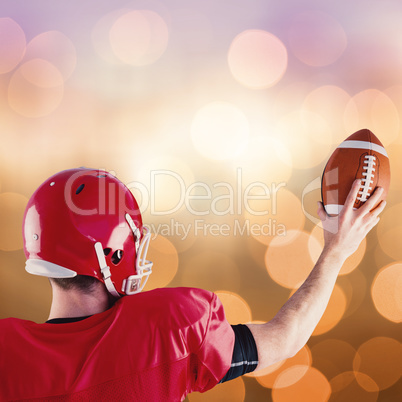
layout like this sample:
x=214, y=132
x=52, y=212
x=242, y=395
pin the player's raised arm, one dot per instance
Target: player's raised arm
x=292, y=326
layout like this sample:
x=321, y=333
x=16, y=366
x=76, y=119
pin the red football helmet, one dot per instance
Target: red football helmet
x=87, y=222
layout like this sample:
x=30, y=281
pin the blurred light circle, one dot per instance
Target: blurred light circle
x=56, y=48
x=398, y=291
x=289, y=264
x=41, y=73
x=130, y=37
x=220, y=131
x=316, y=38
x=12, y=208
x=329, y=102
x=139, y=37
x=282, y=222
x=394, y=152
x=257, y=59
x=35, y=89
x=164, y=256
x=373, y=109
x=346, y=387
x=237, y=311
x=380, y=358
x=389, y=231
x=12, y=44
x=386, y=292
x=267, y=377
x=230, y=391
x=350, y=264
x=394, y=93
x=312, y=385
x=290, y=376
x=211, y=268
x=100, y=35
x=333, y=357
x=333, y=313
x=307, y=136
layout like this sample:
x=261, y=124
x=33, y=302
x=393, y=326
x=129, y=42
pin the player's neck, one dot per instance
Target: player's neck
x=75, y=303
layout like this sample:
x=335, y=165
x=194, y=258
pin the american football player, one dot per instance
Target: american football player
x=107, y=340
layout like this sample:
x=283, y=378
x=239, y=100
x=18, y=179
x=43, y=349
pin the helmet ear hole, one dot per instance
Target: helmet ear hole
x=107, y=251
x=79, y=189
x=117, y=257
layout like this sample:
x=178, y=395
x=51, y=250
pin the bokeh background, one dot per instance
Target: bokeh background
x=220, y=116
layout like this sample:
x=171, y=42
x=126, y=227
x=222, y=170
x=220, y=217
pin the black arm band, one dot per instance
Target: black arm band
x=245, y=356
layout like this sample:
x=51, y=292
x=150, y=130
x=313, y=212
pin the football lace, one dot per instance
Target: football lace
x=368, y=177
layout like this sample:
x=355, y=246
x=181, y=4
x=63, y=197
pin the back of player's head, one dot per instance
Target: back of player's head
x=87, y=222
x=82, y=283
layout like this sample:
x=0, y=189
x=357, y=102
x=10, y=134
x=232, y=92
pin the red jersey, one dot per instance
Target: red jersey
x=153, y=346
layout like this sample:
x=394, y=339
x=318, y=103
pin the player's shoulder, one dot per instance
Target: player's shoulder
x=13, y=322
x=168, y=298
x=172, y=304
x=9, y=327
x=180, y=295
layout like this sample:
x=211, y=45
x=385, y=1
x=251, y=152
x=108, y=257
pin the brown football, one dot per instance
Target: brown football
x=360, y=156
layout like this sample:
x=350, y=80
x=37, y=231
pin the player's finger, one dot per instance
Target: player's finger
x=371, y=219
x=351, y=198
x=376, y=211
x=379, y=208
x=371, y=202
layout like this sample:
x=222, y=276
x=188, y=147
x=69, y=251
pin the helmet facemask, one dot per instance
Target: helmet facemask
x=135, y=283
x=143, y=268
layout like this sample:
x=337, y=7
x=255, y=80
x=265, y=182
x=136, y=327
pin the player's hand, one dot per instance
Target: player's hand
x=343, y=233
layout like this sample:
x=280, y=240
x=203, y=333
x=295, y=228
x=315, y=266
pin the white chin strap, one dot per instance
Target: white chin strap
x=134, y=283
x=105, y=270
